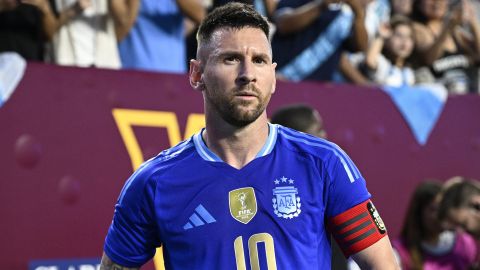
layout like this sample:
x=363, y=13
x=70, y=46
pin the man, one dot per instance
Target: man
x=460, y=206
x=243, y=193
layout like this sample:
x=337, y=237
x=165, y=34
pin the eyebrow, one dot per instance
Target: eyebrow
x=238, y=53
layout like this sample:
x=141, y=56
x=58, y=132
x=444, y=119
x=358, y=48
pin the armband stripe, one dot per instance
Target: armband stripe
x=355, y=229
x=360, y=237
x=343, y=225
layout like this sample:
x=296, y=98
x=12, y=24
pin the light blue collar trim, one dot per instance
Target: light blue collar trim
x=208, y=155
x=202, y=149
x=270, y=143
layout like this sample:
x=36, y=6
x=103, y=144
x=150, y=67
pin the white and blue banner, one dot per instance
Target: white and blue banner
x=420, y=106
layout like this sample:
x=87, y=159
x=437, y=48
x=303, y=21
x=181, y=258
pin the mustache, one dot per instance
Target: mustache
x=247, y=90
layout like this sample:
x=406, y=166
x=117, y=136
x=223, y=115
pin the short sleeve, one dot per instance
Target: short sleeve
x=346, y=186
x=133, y=236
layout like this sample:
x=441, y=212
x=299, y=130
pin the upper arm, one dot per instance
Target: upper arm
x=133, y=235
x=377, y=256
x=107, y=264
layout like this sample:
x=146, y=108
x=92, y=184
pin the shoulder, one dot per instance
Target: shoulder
x=465, y=243
x=146, y=175
x=307, y=144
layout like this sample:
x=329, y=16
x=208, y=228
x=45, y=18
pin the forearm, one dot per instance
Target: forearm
x=378, y=256
x=124, y=14
x=50, y=23
x=373, y=52
x=193, y=9
x=108, y=264
x=360, y=34
x=270, y=6
x=351, y=73
x=475, y=29
x=292, y=20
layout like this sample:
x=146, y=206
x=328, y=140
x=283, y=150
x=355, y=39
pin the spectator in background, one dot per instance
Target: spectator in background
x=311, y=36
x=423, y=243
x=84, y=31
x=449, y=52
x=22, y=30
x=460, y=206
x=401, y=7
x=300, y=117
x=377, y=13
x=157, y=40
x=386, y=61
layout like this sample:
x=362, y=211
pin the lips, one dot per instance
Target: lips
x=246, y=94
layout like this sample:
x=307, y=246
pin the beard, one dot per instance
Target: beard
x=238, y=113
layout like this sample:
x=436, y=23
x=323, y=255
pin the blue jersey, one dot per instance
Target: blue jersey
x=270, y=214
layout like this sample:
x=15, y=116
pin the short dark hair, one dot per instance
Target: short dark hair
x=296, y=116
x=457, y=195
x=231, y=15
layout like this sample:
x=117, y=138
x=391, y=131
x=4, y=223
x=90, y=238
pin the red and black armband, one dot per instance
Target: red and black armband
x=357, y=228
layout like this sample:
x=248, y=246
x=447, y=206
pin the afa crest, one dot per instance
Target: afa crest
x=286, y=202
x=243, y=204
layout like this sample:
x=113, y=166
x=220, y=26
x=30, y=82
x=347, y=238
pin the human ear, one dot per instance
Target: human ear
x=195, y=75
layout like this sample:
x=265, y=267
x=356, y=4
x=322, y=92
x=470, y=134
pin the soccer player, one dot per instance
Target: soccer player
x=243, y=193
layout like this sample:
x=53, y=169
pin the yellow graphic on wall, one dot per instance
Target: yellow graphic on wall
x=126, y=119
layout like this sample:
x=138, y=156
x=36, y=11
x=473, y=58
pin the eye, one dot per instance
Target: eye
x=259, y=60
x=231, y=59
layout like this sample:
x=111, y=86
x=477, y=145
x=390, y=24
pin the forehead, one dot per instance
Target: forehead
x=243, y=39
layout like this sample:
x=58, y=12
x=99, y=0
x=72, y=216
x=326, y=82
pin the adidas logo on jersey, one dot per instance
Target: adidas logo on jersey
x=199, y=218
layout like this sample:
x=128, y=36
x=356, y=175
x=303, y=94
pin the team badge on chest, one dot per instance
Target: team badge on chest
x=286, y=202
x=243, y=204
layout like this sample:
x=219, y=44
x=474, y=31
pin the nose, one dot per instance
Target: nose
x=246, y=74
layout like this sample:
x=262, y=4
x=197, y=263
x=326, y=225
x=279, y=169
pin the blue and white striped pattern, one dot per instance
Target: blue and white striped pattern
x=199, y=218
x=321, y=49
x=350, y=168
x=208, y=155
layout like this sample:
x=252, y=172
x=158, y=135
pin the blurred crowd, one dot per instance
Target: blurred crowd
x=396, y=43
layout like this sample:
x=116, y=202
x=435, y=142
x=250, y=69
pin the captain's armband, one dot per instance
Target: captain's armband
x=357, y=228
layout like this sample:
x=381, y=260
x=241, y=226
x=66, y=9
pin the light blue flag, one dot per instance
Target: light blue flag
x=420, y=106
x=12, y=68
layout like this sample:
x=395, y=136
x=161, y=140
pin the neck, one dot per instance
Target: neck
x=432, y=239
x=236, y=146
x=399, y=62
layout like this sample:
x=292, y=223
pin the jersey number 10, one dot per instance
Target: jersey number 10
x=253, y=241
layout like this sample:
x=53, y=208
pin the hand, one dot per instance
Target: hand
x=384, y=31
x=357, y=5
x=456, y=17
x=469, y=13
x=84, y=4
x=81, y=5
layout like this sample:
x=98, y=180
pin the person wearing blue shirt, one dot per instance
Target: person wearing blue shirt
x=243, y=193
x=156, y=39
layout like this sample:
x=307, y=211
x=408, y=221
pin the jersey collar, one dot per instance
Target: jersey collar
x=208, y=155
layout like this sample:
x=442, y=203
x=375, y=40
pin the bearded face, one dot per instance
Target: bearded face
x=238, y=76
